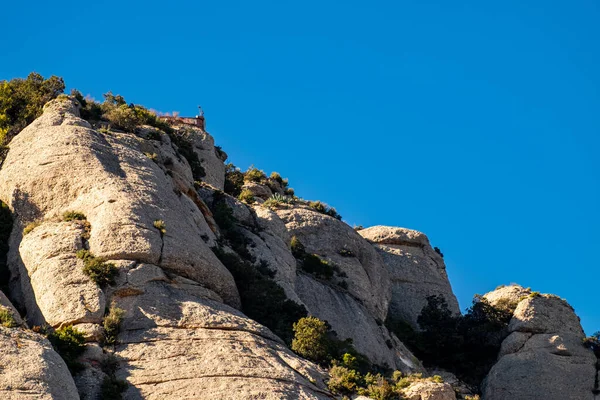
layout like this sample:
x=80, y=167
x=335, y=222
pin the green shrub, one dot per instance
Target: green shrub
x=22, y=101
x=69, y=343
x=289, y=192
x=246, y=196
x=161, y=226
x=97, y=269
x=113, y=388
x=255, y=175
x=276, y=177
x=234, y=180
x=313, y=264
x=31, y=226
x=73, y=216
x=90, y=110
x=262, y=298
x=380, y=389
x=311, y=340
x=112, y=325
x=324, y=209
x=437, y=250
x=297, y=248
x=6, y=318
x=343, y=380
x=466, y=345
x=276, y=200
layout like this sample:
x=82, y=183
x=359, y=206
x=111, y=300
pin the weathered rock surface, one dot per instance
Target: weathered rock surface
x=181, y=346
x=29, y=367
x=262, y=192
x=210, y=158
x=543, y=357
x=416, y=270
x=179, y=339
x=428, y=390
x=62, y=293
x=357, y=312
x=368, y=279
x=59, y=164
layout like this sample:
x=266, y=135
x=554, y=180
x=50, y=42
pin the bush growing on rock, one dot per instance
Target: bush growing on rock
x=112, y=388
x=324, y=209
x=277, y=200
x=343, y=380
x=297, y=248
x=246, y=196
x=73, y=216
x=465, y=345
x=161, y=226
x=22, y=101
x=314, y=265
x=315, y=341
x=69, y=343
x=112, y=324
x=234, y=180
x=30, y=227
x=255, y=175
x=311, y=340
x=6, y=318
x=262, y=298
x=97, y=269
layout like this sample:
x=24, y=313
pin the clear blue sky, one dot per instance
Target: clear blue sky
x=475, y=122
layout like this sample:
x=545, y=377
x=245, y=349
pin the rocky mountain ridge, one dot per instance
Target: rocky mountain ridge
x=181, y=250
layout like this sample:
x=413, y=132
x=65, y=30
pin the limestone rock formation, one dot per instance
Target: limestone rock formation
x=180, y=336
x=357, y=312
x=416, y=271
x=169, y=322
x=543, y=357
x=29, y=367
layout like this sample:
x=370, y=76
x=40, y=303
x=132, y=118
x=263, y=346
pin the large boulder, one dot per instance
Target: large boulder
x=415, y=269
x=29, y=366
x=543, y=357
x=428, y=390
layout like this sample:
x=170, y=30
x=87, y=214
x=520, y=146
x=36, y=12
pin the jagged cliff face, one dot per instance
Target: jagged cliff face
x=183, y=333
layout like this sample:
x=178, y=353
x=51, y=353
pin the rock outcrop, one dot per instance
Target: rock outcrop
x=29, y=366
x=416, y=271
x=427, y=390
x=167, y=320
x=543, y=357
x=357, y=311
x=181, y=335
